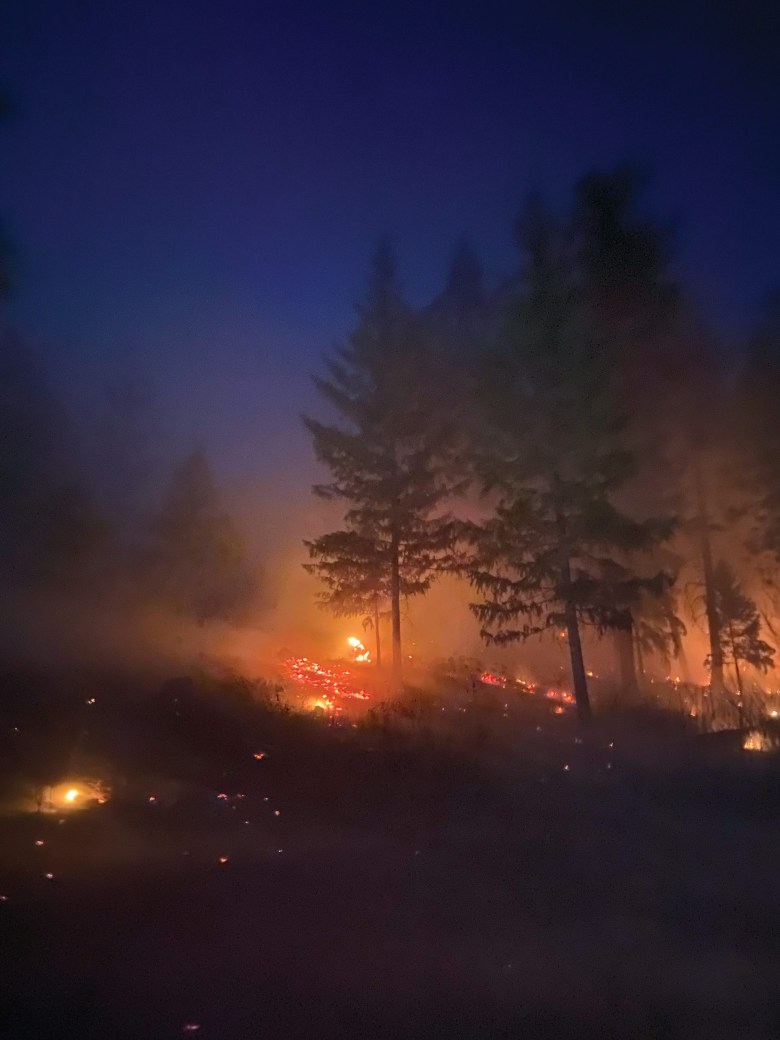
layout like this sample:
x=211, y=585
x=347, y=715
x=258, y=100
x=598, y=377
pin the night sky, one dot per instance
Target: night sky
x=193, y=189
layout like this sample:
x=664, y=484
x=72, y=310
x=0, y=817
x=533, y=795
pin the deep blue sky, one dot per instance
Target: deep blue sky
x=194, y=188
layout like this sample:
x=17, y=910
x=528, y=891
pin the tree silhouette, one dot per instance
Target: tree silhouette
x=387, y=453
x=196, y=559
x=740, y=625
x=555, y=552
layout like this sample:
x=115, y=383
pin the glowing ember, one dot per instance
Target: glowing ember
x=223, y=859
x=491, y=679
x=560, y=695
x=333, y=683
x=72, y=794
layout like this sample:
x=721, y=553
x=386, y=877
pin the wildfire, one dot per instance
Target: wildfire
x=562, y=696
x=491, y=679
x=359, y=652
x=756, y=740
x=74, y=794
x=559, y=697
x=332, y=683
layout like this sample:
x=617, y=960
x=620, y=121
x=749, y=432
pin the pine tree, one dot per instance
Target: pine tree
x=387, y=451
x=196, y=559
x=758, y=429
x=553, y=554
x=740, y=626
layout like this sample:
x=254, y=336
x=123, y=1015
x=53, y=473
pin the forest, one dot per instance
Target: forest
x=389, y=632
x=574, y=446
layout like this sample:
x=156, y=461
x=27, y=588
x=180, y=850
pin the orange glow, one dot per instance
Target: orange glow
x=755, y=740
x=490, y=679
x=563, y=696
x=333, y=683
x=359, y=652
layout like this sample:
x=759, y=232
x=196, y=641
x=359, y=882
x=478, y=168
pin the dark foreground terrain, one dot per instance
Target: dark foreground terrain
x=485, y=876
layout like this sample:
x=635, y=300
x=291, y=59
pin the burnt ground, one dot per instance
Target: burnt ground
x=484, y=874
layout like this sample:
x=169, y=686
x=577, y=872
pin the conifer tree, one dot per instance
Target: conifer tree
x=554, y=552
x=196, y=558
x=387, y=449
x=740, y=626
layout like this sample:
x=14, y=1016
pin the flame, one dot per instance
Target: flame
x=76, y=793
x=756, y=740
x=359, y=652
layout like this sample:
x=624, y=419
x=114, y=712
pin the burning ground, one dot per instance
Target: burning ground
x=459, y=863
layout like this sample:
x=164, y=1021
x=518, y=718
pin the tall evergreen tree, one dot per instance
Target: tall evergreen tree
x=196, y=559
x=740, y=626
x=760, y=438
x=387, y=450
x=554, y=553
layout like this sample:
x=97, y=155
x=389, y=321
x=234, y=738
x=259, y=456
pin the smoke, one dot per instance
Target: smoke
x=87, y=581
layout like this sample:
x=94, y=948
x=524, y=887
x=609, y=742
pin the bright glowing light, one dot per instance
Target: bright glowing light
x=359, y=652
x=755, y=740
x=75, y=794
x=331, y=682
x=491, y=679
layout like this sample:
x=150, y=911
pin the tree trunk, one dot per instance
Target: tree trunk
x=624, y=644
x=640, y=659
x=395, y=608
x=579, y=678
x=680, y=655
x=740, y=691
x=376, y=633
x=713, y=620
